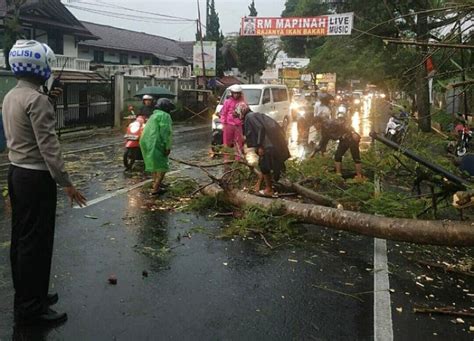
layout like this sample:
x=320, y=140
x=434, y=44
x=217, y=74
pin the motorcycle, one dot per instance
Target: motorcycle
x=462, y=145
x=217, y=133
x=304, y=120
x=132, y=142
x=396, y=129
x=342, y=110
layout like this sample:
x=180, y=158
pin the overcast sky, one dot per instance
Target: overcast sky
x=230, y=12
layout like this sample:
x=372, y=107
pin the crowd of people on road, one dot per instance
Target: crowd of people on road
x=37, y=166
x=267, y=138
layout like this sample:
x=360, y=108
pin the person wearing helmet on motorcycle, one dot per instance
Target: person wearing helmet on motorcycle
x=155, y=143
x=148, y=106
x=339, y=130
x=322, y=107
x=269, y=140
x=37, y=167
x=232, y=124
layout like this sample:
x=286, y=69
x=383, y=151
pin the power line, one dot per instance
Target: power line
x=434, y=10
x=127, y=16
x=420, y=43
x=110, y=5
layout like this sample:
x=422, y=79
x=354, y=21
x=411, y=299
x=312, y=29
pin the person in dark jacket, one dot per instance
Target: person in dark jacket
x=267, y=137
x=348, y=140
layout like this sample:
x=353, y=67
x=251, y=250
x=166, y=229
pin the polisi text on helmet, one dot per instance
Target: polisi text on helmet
x=21, y=53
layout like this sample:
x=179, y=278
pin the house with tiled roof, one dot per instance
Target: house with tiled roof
x=125, y=47
x=88, y=56
x=52, y=23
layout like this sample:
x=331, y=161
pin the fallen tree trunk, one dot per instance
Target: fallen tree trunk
x=433, y=232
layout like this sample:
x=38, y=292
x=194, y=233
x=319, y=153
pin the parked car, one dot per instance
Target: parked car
x=272, y=100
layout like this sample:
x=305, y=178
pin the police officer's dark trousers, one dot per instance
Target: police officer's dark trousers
x=33, y=199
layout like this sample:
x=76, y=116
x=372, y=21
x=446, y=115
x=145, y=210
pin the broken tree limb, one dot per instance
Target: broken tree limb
x=434, y=232
x=419, y=43
x=442, y=311
x=337, y=292
x=445, y=268
x=310, y=194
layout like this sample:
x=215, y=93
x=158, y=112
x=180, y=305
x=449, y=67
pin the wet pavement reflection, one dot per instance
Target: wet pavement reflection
x=178, y=279
x=196, y=285
x=363, y=120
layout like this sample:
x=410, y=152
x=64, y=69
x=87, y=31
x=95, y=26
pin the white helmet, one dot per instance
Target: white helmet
x=147, y=97
x=235, y=88
x=31, y=58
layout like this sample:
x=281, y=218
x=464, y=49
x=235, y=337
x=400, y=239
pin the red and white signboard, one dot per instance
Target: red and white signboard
x=325, y=25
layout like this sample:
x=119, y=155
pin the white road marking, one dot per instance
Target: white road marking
x=120, y=191
x=383, y=329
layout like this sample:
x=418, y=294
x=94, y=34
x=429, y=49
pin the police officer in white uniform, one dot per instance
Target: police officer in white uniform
x=36, y=169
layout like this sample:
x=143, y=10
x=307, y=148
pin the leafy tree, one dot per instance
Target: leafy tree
x=364, y=55
x=251, y=51
x=214, y=33
x=302, y=46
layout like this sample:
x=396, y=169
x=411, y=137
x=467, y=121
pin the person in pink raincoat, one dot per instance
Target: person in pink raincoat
x=232, y=124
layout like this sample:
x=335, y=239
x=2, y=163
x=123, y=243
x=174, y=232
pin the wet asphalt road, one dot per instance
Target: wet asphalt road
x=203, y=288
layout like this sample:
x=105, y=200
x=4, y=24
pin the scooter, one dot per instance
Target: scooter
x=396, y=129
x=132, y=142
x=462, y=145
x=342, y=110
x=304, y=120
x=217, y=134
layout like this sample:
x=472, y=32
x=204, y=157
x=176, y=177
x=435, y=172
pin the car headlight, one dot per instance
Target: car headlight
x=342, y=109
x=294, y=106
x=301, y=113
x=135, y=127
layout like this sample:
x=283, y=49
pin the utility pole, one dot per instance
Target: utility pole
x=202, y=45
x=208, y=13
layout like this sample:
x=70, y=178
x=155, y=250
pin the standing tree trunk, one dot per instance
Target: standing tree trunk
x=422, y=88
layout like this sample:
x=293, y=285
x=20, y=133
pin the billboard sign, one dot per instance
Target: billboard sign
x=209, y=48
x=298, y=63
x=325, y=25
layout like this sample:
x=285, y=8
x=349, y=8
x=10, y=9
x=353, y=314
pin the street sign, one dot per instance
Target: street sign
x=290, y=73
x=325, y=25
x=209, y=48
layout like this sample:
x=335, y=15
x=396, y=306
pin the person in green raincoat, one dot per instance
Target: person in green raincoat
x=155, y=143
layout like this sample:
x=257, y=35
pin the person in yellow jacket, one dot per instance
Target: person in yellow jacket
x=155, y=143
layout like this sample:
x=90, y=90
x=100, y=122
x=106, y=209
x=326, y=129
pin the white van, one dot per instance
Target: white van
x=272, y=100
